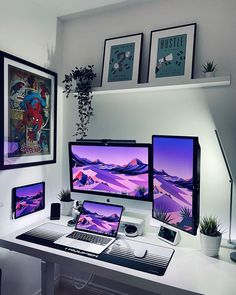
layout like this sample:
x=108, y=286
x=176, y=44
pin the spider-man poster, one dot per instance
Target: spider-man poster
x=29, y=120
x=29, y=113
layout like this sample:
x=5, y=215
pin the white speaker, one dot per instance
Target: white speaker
x=131, y=226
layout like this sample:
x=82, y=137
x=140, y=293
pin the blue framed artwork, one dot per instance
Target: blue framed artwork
x=121, y=61
x=171, y=54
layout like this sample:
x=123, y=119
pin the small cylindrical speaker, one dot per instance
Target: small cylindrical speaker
x=131, y=231
x=55, y=211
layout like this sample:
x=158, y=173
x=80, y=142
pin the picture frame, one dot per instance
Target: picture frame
x=121, y=61
x=171, y=54
x=28, y=113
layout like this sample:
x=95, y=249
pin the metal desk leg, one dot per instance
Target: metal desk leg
x=0, y=281
x=47, y=278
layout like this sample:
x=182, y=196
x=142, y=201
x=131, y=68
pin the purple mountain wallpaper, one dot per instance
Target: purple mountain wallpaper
x=99, y=218
x=173, y=181
x=111, y=169
x=29, y=199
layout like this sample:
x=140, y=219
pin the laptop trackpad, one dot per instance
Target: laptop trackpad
x=80, y=245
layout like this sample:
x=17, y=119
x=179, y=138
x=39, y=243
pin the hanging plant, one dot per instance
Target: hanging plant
x=83, y=78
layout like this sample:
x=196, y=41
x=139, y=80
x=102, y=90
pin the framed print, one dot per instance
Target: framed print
x=121, y=61
x=27, y=113
x=171, y=54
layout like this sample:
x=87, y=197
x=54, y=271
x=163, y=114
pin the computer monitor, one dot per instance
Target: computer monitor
x=176, y=178
x=111, y=169
x=28, y=199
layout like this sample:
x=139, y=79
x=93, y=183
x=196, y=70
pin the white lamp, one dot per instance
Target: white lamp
x=231, y=245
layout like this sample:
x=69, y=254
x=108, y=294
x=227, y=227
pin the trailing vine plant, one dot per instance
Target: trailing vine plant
x=83, y=78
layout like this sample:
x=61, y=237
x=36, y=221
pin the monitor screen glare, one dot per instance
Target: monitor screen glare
x=120, y=171
x=99, y=218
x=29, y=199
x=173, y=181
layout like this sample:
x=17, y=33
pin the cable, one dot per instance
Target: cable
x=76, y=285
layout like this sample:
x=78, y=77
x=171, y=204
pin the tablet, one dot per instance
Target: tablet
x=28, y=199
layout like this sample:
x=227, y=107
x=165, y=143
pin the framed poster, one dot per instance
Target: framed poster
x=27, y=113
x=171, y=54
x=121, y=60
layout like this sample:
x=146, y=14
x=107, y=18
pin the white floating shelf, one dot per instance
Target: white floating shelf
x=144, y=87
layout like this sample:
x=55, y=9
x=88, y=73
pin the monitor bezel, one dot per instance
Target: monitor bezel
x=118, y=144
x=196, y=181
x=14, y=189
x=94, y=232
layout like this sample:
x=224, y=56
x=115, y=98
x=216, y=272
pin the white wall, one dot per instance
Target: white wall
x=177, y=112
x=30, y=33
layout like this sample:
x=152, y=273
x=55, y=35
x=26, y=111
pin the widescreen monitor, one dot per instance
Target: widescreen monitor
x=176, y=178
x=115, y=169
x=28, y=199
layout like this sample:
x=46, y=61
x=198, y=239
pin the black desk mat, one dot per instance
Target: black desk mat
x=121, y=252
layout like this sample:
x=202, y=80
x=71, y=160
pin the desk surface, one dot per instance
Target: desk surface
x=188, y=270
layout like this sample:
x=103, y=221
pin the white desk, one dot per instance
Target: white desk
x=189, y=272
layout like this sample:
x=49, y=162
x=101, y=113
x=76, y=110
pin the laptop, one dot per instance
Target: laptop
x=96, y=227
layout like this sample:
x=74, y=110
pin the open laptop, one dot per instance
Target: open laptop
x=96, y=227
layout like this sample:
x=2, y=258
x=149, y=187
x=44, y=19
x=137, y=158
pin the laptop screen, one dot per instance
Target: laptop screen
x=99, y=218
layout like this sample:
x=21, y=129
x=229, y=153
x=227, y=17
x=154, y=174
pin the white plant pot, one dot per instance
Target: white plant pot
x=210, y=245
x=66, y=208
x=209, y=74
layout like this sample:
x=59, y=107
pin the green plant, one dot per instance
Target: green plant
x=209, y=66
x=64, y=196
x=210, y=226
x=83, y=78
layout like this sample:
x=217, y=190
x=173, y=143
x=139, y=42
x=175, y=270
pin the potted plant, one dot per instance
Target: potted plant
x=66, y=202
x=208, y=68
x=210, y=234
x=82, y=78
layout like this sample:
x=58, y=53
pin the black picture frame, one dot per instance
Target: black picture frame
x=28, y=113
x=121, y=61
x=171, y=54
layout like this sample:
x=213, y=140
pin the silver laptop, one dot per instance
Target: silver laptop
x=96, y=228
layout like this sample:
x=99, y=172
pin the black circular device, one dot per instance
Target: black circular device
x=131, y=231
x=71, y=222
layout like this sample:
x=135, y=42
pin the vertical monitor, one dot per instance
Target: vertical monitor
x=115, y=169
x=176, y=181
x=28, y=199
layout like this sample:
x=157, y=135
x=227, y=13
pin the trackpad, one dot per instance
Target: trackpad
x=80, y=245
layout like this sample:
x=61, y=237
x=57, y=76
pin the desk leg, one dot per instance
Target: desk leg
x=47, y=278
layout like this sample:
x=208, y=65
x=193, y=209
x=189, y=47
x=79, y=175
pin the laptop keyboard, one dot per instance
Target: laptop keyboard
x=89, y=238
